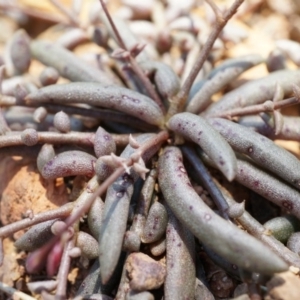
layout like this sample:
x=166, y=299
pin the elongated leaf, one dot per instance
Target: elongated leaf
x=221, y=236
x=108, y=96
x=262, y=150
x=115, y=214
x=256, y=91
x=67, y=63
x=198, y=130
x=219, y=78
x=268, y=186
x=181, y=272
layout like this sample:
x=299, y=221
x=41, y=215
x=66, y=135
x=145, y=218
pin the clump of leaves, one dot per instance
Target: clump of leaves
x=156, y=135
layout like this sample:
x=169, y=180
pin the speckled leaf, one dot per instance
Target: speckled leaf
x=181, y=273
x=221, y=236
x=262, y=150
x=256, y=91
x=198, y=130
x=69, y=163
x=219, y=78
x=108, y=96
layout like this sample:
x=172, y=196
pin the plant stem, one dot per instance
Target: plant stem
x=135, y=66
x=259, y=231
x=162, y=136
x=267, y=106
x=62, y=276
x=178, y=102
x=57, y=138
x=61, y=212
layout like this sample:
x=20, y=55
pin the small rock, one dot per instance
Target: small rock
x=144, y=272
x=283, y=286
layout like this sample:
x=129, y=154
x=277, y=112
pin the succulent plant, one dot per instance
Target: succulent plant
x=152, y=141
